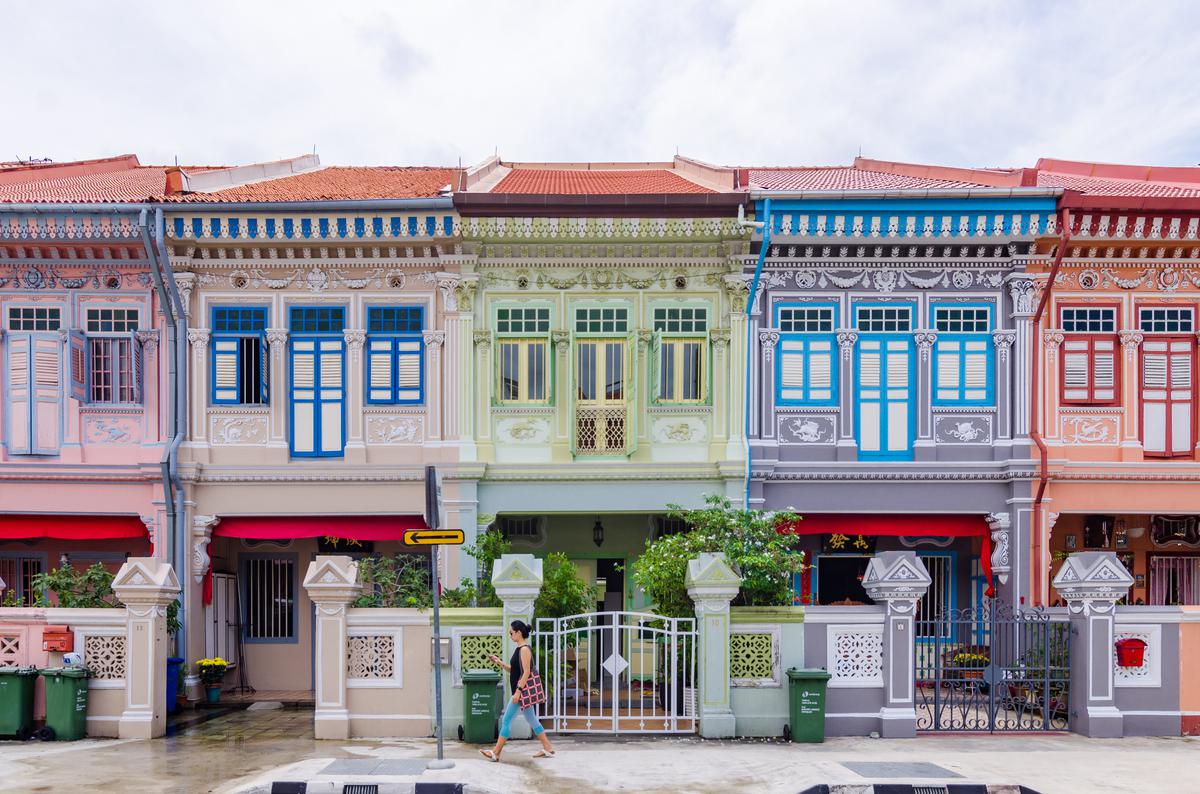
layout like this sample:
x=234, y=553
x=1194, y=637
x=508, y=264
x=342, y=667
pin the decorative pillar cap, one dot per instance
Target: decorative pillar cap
x=332, y=578
x=1092, y=575
x=516, y=574
x=896, y=575
x=145, y=580
x=710, y=575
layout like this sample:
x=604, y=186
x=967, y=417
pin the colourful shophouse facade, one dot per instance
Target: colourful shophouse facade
x=604, y=376
x=85, y=397
x=321, y=317
x=890, y=338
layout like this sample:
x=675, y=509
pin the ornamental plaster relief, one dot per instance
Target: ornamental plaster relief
x=523, y=430
x=237, y=430
x=602, y=279
x=395, y=429
x=313, y=279
x=112, y=430
x=1090, y=429
x=962, y=429
x=886, y=280
x=679, y=430
x=806, y=429
x=41, y=277
x=1164, y=279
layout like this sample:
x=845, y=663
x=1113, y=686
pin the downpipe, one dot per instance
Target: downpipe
x=765, y=226
x=1035, y=434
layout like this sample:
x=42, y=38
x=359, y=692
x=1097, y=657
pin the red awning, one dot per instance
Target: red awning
x=895, y=525
x=344, y=527
x=63, y=527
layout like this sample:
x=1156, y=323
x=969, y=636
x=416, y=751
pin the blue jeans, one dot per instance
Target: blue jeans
x=530, y=715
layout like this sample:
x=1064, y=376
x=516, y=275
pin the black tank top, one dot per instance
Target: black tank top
x=515, y=667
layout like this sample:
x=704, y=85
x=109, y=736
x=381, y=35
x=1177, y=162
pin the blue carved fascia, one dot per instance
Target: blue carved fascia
x=232, y=225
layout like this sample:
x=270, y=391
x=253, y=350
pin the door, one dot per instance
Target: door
x=318, y=409
x=600, y=408
x=885, y=397
x=1167, y=397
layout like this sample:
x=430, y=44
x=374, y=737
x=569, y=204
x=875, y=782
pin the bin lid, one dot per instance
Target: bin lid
x=68, y=672
x=9, y=670
x=817, y=674
x=487, y=676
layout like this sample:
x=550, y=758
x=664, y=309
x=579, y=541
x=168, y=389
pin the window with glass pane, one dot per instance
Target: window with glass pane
x=806, y=319
x=614, y=320
x=34, y=318
x=962, y=357
x=682, y=346
x=523, y=320
x=1089, y=320
x=523, y=370
x=601, y=371
x=114, y=355
x=884, y=319
x=395, y=354
x=1165, y=319
x=805, y=369
x=239, y=350
x=681, y=319
x=318, y=319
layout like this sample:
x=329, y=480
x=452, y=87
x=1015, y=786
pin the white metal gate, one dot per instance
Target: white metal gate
x=618, y=672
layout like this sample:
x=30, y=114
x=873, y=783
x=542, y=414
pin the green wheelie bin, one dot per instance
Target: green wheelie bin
x=16, y=701
x=66, y=703
x=481, y=701
x=806, y=700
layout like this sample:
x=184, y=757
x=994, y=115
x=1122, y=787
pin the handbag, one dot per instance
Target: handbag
x=533, y=692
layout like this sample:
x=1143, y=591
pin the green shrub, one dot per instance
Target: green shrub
x=90, y=588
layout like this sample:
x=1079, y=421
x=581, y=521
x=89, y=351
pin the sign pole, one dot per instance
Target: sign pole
x=432, y=512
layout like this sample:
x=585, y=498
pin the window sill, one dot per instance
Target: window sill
x=681, y=408
x=964, y=408
x=1090, y=408
x=378, y=409
x=114, y=408
x=807, y=409
x=239, y=410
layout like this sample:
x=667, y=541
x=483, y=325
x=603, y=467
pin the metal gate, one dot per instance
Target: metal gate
x=991, y=669
x=618, y=672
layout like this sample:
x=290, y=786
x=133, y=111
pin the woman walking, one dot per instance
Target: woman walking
x=519, y=668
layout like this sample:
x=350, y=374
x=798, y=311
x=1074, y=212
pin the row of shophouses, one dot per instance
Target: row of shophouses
x=234, y=369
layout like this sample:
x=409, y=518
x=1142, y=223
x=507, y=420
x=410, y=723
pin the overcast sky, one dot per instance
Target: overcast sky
x=746, y=83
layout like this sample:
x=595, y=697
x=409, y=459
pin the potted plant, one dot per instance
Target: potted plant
x=211, y=672
x=970, y=665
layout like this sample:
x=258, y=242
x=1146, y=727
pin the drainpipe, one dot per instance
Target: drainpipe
x=762, y=257
x=173, y=494
x=1034, y=434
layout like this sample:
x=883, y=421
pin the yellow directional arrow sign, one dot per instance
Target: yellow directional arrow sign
x=433, y=537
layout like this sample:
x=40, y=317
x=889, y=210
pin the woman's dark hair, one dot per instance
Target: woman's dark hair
x=521, y=626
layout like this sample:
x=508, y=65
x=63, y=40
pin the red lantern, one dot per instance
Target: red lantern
x=1131, y=652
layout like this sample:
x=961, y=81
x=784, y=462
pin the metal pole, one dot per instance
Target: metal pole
x=432, y=512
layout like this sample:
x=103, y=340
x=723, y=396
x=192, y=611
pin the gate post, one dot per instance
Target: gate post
x=1092, y=582
x=517, y=579
x=898, y=580
x=146, y=586
x=332, y=583
x=712, y=584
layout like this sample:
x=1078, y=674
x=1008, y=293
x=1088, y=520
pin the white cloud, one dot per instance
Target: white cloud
x=964, y=83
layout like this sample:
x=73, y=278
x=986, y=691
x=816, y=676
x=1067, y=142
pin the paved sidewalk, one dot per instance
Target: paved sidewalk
x=245, y=751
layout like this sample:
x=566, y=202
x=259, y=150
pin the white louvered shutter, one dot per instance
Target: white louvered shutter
x=19, y=395
x=304, y=396
x=408, y=370
x=1167, y=397
x=870, y=381
x=898, y=395
x=820, y=369
x=949, y=369
x=46, y=431
x=1104, y=370
x=1076, y=369
x=332, y=390
x=975, y=369
x=225, y=371
x=791, y=369
x=379, y=371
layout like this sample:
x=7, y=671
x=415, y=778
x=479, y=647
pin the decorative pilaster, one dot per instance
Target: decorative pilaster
x=898, y=580
x=152, y=382
x=562, y=389
x=356, y=449
x=1024, y=294
x=923, y=446
x=847, y=447
x=1092, y=582
x=736, y=369
x=712, y=584
x=332, y=583
x=277, y=382
x=722, y=385
x=517, y=579
x=764, y=423
x=1131, y=344
x=146, y=586
x=198, y=339
x=483, y=383
x=202, y=528
x=1003, y=339
x=999, y=524
x=433, y=382
x=185, y=282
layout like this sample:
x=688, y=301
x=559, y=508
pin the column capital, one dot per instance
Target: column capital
x=720, y=337
x=562, y=341
x=1024, y=294
x=846, y=339
x=277, y=338
x=198, y=338
x=1004, y=339
x=148, y=339
x=925, y=339
x=1053, y=337
x=355, y=339
x=1131, y=341
x=768, y=338
x=999, y=524
x=202, y=527
x=482, y=338
x=434, y=339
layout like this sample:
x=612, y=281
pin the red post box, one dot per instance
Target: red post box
x=58, y=638
x=1131, y=652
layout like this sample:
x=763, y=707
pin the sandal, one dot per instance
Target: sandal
x=544, y=754
x=491, y=756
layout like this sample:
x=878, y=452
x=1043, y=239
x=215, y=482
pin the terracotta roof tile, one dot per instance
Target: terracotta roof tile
x=336, y=184
x=845, y=178
x=131, y=185
x=604, y=182
x=1110, y=186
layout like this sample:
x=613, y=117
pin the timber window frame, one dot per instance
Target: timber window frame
x=395, y=355
x=523, y=361
x=806, y=361
x=317, y=380
x=963, y=355
x=240, y=361
x=681, y=354
x=113, y=355
x=1090, y=369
